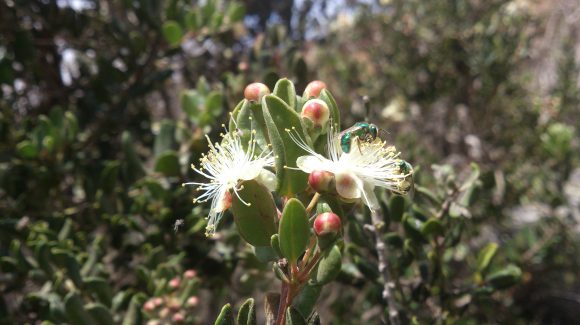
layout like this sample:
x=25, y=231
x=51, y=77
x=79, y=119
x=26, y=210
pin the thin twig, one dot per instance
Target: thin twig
x=378, y=230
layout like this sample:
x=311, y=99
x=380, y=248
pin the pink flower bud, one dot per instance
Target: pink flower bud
x=327, y=223
x=158, y=301
x=317, y=111
x=192, y=301
x=175, y=283
x=255, y=91
x=314, y=88
x=178, y=318
x=321, y=181
x=190, y=274
x=149, y=305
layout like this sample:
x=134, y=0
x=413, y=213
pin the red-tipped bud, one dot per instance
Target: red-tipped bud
x=192, y=301
x=314, y=88
x=175, y=283
x=255, y=91
x=190, y=274
x=317, y=111
x=178, y=318
x=321, y=181
x=327, y=223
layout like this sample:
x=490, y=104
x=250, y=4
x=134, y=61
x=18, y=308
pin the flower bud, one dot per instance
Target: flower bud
x=178, y=318
x=321, y=181
x=149, y=305
x=192, y=301
x=255, y=91
x=158, y=301
x=190, y=274
x=327, y=223
x=153, y=322
x=317, y=111
x=314, y=88
x=174, y=283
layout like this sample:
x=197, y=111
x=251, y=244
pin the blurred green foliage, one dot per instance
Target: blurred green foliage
x=104, y=107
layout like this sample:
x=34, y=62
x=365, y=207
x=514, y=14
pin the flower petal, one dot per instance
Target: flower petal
x=268, y=179
x=308, y=164
x=348, y=185
x=370, y=197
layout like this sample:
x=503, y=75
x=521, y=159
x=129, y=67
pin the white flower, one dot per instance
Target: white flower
x=225, y=165
x=357, y=173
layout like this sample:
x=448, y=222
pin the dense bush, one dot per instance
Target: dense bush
x=104, y=107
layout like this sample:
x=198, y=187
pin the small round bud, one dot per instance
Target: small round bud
x=314, y=88
x=153, y=322
x=321, y=181
x=255, y=91
x=158, y=301
x=317, y=111
x=327, y=223
x=175, y=283
x=149, y=305
x=192, y=301
x=178, y=318
x=190, y=274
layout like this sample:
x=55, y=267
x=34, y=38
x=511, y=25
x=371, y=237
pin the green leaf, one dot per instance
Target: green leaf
x=255, y=223
x=265, y=254
x=294, y=230
x=275, y=244
x=334, y=112
x=314, y=319
x=165, y=139
x=329, y=266
x=172, y=32
x=285, y=90
x=505, y=278
x=133, y=315
x=433, y=227
x=306, y=299
x=279, y=118
x=396, y=208
x=75, y=310
x=100, y=313
x=485, y=256
x=247, y=313
x=226, y=316
x=234, y=115
x=168, y=164
x=293, y=317
x=394, y=240
x=412, y=228
x=100, y=288
x=236, y=13
x=26, y=149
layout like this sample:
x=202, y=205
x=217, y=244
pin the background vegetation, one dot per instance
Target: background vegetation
x=104, y=104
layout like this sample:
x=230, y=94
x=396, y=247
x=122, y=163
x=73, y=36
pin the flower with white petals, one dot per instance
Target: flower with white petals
x=369, y=164
x=225, y=165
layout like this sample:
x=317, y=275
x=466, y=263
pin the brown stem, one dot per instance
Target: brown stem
x=280, y=317
x=313, y=202
x=378, y=230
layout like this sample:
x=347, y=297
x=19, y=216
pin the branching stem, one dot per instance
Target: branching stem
x=388, y=284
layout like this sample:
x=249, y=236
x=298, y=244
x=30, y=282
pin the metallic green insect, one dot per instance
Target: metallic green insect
x=362, y=130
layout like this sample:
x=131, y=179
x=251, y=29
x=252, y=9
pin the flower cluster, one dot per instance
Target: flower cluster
x=352, y=175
